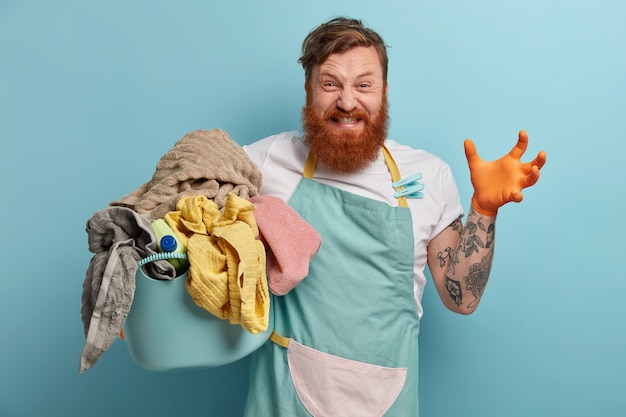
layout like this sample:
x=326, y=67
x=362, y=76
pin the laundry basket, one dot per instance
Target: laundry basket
x=165, y=330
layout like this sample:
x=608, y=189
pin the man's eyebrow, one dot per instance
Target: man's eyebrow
x=330, y=73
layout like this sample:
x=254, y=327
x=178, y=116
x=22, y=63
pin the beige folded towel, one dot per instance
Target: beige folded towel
x=204, y=162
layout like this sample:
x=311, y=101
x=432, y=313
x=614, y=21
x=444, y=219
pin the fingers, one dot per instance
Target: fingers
x=470, y=151
x=516, y=153
x=532, y=177
x=540, y=160
x=521, y=145
x=516, y=196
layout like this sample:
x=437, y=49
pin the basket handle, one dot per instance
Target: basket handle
x=162, y=255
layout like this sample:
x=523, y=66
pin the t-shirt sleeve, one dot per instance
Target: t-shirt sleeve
x=258, y=151
x=277, y=159
x=452, y=200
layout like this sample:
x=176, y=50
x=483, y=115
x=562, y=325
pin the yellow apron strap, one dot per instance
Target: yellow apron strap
x=395, y=173
x=279, y=340
x=309, y=169
x=309, y=166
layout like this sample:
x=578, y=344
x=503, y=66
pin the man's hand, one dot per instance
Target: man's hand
x=499, y=182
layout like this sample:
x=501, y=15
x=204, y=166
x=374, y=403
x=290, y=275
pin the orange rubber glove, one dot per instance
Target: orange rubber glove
x=499, y=182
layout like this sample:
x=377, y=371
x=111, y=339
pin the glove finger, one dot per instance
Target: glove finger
x=540, y=160
x=532, y=177
x=521, y=145
x=470, y=151
x=516, y=196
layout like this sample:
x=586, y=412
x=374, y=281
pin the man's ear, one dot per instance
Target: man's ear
x=307, y=89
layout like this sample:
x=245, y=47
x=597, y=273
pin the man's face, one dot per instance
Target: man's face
x=345, y=118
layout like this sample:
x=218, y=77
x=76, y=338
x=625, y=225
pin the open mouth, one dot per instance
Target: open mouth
x=346, y=121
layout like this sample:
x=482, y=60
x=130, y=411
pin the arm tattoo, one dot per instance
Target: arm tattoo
x=457, y=225
x=454, y=289
x=444, y=256
x=476, y=280
x=471, y=242
x=448, y=255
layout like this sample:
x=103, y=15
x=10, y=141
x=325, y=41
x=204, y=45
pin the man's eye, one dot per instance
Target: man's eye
x=364, y=85
x=329, y=85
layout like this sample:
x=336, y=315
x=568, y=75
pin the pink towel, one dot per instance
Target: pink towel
x=290, y=242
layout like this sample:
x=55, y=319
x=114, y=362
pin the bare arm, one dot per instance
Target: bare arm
x=460, y=259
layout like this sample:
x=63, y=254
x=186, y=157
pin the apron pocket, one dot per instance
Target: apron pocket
x=329, y=385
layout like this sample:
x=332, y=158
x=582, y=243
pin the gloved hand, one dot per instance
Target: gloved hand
x=499, y=182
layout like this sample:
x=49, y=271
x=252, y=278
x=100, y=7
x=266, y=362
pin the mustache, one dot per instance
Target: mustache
x=336, y=114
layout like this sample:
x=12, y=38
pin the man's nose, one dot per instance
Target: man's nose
x=347, y=100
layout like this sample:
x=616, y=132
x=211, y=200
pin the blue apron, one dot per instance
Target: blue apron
x=346, y=338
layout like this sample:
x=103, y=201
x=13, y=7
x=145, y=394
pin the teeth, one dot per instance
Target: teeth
x=347, y=120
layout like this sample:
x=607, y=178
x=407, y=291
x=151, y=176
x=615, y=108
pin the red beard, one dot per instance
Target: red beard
x=346, y=151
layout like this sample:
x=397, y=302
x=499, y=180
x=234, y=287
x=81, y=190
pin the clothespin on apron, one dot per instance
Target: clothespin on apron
x=409, y=187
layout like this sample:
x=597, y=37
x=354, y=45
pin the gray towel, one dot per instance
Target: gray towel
x=206, y=162
x=119, y=238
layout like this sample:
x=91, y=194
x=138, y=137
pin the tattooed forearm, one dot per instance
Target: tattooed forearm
x=467, y=266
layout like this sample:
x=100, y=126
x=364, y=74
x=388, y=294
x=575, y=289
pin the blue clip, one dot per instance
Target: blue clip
x=412, y=189
x=407, y=180
x=411, y=192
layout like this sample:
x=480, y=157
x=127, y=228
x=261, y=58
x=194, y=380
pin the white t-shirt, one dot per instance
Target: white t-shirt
x=281, y=159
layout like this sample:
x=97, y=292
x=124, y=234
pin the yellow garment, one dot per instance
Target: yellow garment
x=226, y=262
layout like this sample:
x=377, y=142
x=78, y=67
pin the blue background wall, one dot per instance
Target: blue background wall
x=93, y=93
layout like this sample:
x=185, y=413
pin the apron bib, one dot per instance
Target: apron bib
x=345, y=341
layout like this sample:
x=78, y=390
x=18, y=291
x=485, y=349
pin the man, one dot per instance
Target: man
x=345, y=339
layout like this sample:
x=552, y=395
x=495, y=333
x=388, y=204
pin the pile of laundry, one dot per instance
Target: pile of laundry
x=240, y=245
